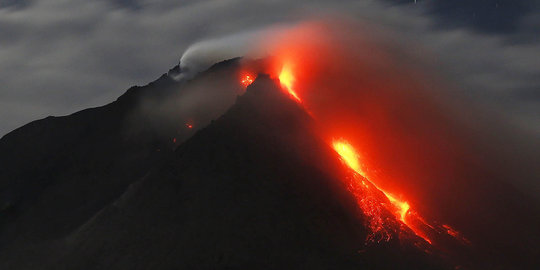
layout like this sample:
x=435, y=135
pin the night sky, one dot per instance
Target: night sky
x=60, y=56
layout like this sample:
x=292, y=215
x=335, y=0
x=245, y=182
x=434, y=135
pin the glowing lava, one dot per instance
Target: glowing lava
x=286, y=78
x=387, y=213
x=400, y=208
x=336, y=77
x=246, y=80
x=349, y=155
x=351, y=158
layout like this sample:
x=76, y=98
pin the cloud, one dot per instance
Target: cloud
x=59, y=56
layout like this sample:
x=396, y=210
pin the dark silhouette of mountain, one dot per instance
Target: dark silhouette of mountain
x=116, y=187
x=58, y=172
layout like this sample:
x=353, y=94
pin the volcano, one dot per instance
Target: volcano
x=241, y=180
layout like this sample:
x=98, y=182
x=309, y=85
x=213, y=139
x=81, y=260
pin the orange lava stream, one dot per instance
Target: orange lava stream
x=287, y=79
x=367, y=193
x=350, y=156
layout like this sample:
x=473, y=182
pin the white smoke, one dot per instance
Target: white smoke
x=203, y=54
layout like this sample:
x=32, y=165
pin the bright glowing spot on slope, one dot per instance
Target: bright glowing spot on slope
x=246, y=80
x=348, y=154
x=286, y=78
x=402, y=206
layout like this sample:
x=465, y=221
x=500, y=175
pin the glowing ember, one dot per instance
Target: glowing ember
x=286, y=78
x=246, y=80
x=188, y=125
x=451, y=231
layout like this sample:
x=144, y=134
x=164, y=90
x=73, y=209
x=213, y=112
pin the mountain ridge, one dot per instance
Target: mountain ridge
x=253, y=188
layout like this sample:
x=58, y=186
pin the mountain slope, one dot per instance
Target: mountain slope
x=58, y=172
x=255, y=189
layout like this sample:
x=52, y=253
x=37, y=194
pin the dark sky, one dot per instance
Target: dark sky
x=60, y=56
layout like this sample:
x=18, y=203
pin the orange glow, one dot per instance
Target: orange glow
x=351, y=158
x=402, y=206
x=188, y=125
x=246, y=80
x=286, y=78
x=365, y=189
x=348, y=155
x=337, y=79
x=457, y=235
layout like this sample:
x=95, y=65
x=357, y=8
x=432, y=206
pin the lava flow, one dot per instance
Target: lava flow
x=387, y=213
x=286, y=79
x=398, y=207
x=354, y=88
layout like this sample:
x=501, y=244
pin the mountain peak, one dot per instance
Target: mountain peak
x=253, y=188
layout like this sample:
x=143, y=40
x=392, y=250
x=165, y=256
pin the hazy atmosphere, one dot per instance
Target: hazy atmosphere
x=236, y=134
x=60, y=56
